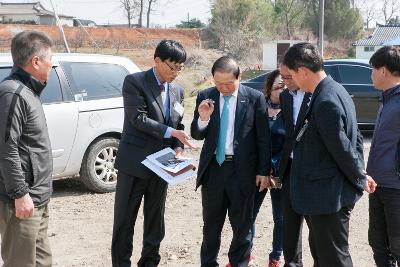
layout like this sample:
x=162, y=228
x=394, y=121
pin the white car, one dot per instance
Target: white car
x=84, y=111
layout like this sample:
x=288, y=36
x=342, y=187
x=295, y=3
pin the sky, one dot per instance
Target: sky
x=168, y=12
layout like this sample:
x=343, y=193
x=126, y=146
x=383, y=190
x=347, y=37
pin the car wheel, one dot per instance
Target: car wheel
x=97, y=171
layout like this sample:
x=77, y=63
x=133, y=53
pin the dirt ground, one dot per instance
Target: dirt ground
x=81, y=228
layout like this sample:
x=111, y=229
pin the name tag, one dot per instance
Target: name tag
x=179, y=108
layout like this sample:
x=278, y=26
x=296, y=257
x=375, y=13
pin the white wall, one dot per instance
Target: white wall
x=360, y=53
x=48, y=20
x=270, y=51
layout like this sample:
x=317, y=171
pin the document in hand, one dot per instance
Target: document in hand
x=172, y=170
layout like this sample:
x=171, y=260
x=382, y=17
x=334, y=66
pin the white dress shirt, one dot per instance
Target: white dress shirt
x=231, y=121
x=298, y=97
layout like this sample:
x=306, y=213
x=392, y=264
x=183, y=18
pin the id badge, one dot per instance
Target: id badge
x=179, y=108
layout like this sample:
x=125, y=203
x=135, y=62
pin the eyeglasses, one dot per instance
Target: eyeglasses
x=289, y=77
x=178, y=69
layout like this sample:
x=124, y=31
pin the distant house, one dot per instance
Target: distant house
x=84, y=23
x=33, y=12
x=273, y=51
x=383, y=35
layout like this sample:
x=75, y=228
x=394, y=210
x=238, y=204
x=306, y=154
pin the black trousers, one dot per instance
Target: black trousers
x=328, y=238
x=292, y=227
x=384, y=226
x=221, y=193
x=128, y=197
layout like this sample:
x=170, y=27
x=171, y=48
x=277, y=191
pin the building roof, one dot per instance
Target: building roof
x=381, y=35
x=18, y=2
x=26, y=8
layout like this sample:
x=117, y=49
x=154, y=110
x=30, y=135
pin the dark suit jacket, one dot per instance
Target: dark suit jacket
x=327, y=169
x=144, y=123
x=286, y=100
x=251, y=144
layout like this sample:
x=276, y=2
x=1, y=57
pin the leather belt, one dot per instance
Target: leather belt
x=228, y=157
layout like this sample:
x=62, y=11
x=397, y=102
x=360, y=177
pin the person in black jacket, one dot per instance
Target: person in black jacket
x=273, y=87
x=294, y=104
x=327, y=176
x=153, y=107
x=384, y=160
x=26, y=162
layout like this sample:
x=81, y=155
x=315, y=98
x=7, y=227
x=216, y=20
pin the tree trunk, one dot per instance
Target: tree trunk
x=148, y=13
x=129, y=18
x=140, y=20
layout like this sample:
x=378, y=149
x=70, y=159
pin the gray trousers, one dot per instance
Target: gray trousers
x=24, y=242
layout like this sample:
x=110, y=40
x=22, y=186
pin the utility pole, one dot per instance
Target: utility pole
x=60, y=27
x=321, y=27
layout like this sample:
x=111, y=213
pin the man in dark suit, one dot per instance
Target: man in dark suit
x=232, y=119
x=153, y=113
x=294, y=104
x=327, y=175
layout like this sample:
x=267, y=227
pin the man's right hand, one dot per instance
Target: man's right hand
x=370, y=185
x=205, y=109
x=24, y=207
x=184, y=138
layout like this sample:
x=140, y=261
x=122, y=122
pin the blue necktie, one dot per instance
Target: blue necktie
x=223, y=127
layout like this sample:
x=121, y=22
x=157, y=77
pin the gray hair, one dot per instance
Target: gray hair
x=27, y=44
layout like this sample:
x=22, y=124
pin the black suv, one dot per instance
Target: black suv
x=355, y=76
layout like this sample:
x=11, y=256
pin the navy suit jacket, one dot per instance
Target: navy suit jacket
x=251, y=144
x=144, y=123
x=286, y=100
x=327, y=169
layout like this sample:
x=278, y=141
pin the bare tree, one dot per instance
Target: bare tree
x=291, y=11
x=368, y=10
x=141, y=8
x=389, y=9
x=130, y=9
x=150, y=9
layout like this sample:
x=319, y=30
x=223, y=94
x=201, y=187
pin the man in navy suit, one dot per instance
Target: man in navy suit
x=232, y=119
x=327, y=176
x=153, y=107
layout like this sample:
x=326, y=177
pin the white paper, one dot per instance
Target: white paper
x=172, y=180
x=166, y=160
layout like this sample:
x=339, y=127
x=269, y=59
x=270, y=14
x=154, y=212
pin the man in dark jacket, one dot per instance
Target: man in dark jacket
x=294, y=104
x=236, y=155
x=26, y=162
x=384, y=160
x=153, y=107
x=327, y=175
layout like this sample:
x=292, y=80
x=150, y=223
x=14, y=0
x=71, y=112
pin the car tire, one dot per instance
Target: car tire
x=97, y=170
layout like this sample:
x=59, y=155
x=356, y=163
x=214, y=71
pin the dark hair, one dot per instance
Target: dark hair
x=388, y=57
x=28, y=44
x=226, y=64
x=303, y=55
x=270, y=81
x=170, y=50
